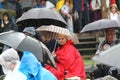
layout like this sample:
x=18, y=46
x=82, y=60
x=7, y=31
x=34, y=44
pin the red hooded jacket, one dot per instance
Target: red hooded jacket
x=69, y=61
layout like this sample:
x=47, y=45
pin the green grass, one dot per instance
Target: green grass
x=89, y=62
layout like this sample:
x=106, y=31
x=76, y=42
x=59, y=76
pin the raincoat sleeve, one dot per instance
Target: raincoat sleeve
x=58, y=72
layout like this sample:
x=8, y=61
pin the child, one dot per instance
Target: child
x=114, y=14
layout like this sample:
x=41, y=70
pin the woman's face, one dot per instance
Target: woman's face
x=62, y=39
x=5, y=18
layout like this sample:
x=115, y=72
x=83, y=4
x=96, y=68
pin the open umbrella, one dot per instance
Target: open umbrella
x=101, y=25
x=57, y=29
x=21, y=42
x=110, y=56
x=41, y=16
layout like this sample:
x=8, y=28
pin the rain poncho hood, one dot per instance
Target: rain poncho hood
x=33, y=69
x=30, y=30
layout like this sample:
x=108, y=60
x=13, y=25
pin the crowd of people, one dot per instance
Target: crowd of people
x=68, y=60
x=65, y=64
x=77, y=13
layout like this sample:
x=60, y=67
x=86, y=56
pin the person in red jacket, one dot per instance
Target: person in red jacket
x=69, y=62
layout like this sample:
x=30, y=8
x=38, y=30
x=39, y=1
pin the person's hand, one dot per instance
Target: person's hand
x=69, y=16
x=2, y=25
x=53, y=54
x=106, y=46
x=48, y=62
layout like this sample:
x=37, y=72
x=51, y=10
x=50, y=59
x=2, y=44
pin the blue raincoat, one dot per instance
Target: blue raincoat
x=33, y=69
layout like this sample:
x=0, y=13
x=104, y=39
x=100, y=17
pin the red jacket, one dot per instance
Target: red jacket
x=69, y=61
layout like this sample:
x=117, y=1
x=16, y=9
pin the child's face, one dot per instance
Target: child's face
x=113, y=9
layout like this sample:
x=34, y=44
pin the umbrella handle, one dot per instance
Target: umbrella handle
x=2, y=21
x=55, y=45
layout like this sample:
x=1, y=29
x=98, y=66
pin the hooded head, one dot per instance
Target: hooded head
x=10, y=55
x=30, y=31
x=33, y=69
x=8, y=60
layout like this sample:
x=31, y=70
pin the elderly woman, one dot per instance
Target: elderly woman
x=10, y=62
x=68, y=61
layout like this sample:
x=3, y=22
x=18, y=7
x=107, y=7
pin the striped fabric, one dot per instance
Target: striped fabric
x=53, y=28
x=60, y=30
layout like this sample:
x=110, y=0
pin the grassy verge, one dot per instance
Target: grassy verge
x=89, y=62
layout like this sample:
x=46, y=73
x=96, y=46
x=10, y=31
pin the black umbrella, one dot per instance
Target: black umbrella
x=21, y=42
x=101, y=25
x=41, y=16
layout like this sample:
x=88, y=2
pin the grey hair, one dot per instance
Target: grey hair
x=10, y=55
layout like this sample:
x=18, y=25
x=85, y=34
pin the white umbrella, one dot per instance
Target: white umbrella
x=110, y=57
x=57, y=29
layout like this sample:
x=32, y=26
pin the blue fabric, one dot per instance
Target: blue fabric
x=39, y=6
x=1, y=5
x=33, y=69
x=77, y=5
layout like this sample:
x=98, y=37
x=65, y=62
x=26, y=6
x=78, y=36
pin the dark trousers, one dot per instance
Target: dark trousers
x=78, y=23
x=101, y=71
x=1, y=71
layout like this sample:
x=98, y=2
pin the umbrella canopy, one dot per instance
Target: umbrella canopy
x=10, y=12
x=57, y=29
x=21, y=42
x=41, y=16
x=101, y=25
x=110, y=56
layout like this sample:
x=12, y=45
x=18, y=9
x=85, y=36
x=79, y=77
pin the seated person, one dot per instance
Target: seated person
x=110, y=40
